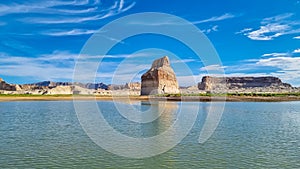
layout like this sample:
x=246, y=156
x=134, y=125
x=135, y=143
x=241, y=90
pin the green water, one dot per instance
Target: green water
x=249, y=135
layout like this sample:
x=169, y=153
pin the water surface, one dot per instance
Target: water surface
x=249, y=135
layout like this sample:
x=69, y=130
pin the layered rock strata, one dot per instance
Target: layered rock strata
x=255, y=84
x=159, y=79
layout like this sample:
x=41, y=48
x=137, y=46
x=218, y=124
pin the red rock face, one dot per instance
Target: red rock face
x=160, y=79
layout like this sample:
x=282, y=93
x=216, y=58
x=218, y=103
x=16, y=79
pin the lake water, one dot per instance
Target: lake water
x=249, y=135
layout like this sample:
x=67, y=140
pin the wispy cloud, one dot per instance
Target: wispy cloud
x=212, y=29
x=281, y=54
x=216, y=18
x=61, y=17
x=60, y=65
x=45, y=67
x=45, y=7
x=269, y=32
x=277, y=18
x=244, y=30
x=73, y=32
x=288, y=68
x=114, y=39
x=65, y=12
x=171, y=21
x=273, y=27
x=284, y=63
x=275, y=54
x=297, y=37
x=63, y=20
x=184, y=61
x=213, y=68
x=115, y=9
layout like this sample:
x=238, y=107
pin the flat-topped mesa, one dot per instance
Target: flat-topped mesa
x=209, y=83
x=160, y=78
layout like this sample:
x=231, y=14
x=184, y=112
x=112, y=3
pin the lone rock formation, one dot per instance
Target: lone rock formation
x=160, y=78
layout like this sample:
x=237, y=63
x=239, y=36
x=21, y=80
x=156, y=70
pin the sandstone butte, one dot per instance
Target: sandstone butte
x=159, y=79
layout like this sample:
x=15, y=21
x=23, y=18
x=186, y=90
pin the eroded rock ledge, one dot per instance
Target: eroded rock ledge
x=243, y=84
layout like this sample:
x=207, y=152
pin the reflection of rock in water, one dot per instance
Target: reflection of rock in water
x=213, y=113
x=168, y=113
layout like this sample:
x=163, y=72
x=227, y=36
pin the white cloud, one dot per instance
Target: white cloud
x=212, y=29
x=170, y=21
x=273, y=27
x=59, y=12
x=289, y=68
x=73, y=32
x=275, y=54
x=277, y=18
x=284, y=63
x=283, y=54
x=60, y=65
x=216, y=18
x=286, y=68
x=49, y=17
x=213, y=68
x=46, y=67
x=114, y=39
x=268, y=32
x=296, y=51
x=183, y=61
x=297, y=37
x=44, y=7
x=64, y=20
x=244, y=30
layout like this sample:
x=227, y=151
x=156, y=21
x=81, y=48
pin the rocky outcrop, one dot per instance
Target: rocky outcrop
x=83, y=85
x=209, y=83
x=116, y=87
x=160, y=79
x=60, y=90
x=94, y=86
x=52, y=84
x=8, y=87
x=133, y=86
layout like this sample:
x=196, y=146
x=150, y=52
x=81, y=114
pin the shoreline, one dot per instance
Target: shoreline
x=12, y=98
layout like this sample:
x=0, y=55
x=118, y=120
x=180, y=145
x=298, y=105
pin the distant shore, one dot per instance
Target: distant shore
x=10, y=98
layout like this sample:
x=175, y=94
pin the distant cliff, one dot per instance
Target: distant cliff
x=51, y=88
x=83, y=85
x=8, y=87
x=250, y=84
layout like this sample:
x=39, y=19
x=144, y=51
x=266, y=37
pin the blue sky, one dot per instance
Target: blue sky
x=40, y=40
